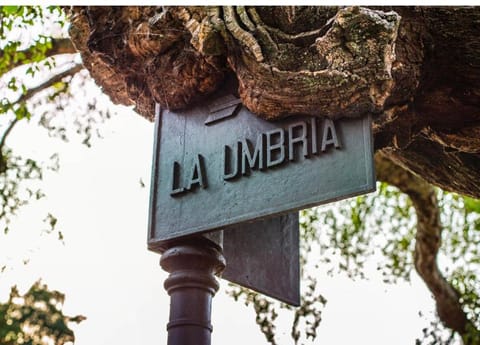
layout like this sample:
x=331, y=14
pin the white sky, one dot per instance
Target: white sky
x=109, y=276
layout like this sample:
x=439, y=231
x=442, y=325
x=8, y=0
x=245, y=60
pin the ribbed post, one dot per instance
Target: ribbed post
x=192, y=264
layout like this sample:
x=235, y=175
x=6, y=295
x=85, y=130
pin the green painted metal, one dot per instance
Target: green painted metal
x=265, y=256
x=241, y=168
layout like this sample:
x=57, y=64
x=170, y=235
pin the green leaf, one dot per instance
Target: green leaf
x=22, y=112
x=9, y=10
x=59, y=86
x=471, y=205
x=12, y=84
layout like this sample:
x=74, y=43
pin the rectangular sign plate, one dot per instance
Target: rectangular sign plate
x=218, y=164
x=265, y=256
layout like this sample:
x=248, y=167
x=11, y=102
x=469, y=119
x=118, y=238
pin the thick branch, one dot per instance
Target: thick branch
x=59, y=46
x=417, y=68
x=344, y=71
x=428, y=240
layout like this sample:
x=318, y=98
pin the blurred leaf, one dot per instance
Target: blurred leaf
x=9, y=10
x=472, y=205
x=36, y=318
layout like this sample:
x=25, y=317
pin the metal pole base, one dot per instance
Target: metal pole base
x=192, y=264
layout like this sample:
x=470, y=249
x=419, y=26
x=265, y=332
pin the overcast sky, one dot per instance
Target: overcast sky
x=109, y=276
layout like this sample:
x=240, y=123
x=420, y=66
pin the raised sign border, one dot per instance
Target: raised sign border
x=156, y=243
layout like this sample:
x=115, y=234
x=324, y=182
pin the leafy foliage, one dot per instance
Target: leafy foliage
x=17, y=183
x=264, y=309
x=42, y=83
x=308, y=316
x=461, y=252
x=436, y=334
x=42, y=87
x=14, y=18
x=65, y=117
x=377, y=227
x=376, y=233
x=21, y=48
x=35, y=318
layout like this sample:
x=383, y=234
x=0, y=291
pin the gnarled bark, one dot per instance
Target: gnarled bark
x=139, y=55
x=342, y=68
x=416, y=68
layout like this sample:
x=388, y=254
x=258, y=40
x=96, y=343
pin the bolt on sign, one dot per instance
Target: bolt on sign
x=218, y=165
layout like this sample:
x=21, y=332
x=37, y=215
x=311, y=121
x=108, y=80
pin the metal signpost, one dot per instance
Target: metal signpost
x=227, y=184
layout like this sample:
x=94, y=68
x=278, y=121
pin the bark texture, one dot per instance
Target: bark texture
x=416, y=68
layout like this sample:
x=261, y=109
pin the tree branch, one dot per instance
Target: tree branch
x=33, y=91
x=59, y=46
x=6, y=133
x=56, y=78
x=428, y=240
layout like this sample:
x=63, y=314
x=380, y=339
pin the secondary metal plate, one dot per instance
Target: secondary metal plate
x=264, y=256
x=280, y=166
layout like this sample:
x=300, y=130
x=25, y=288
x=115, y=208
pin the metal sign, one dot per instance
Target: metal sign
x=264, y=256
x=218, y=164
